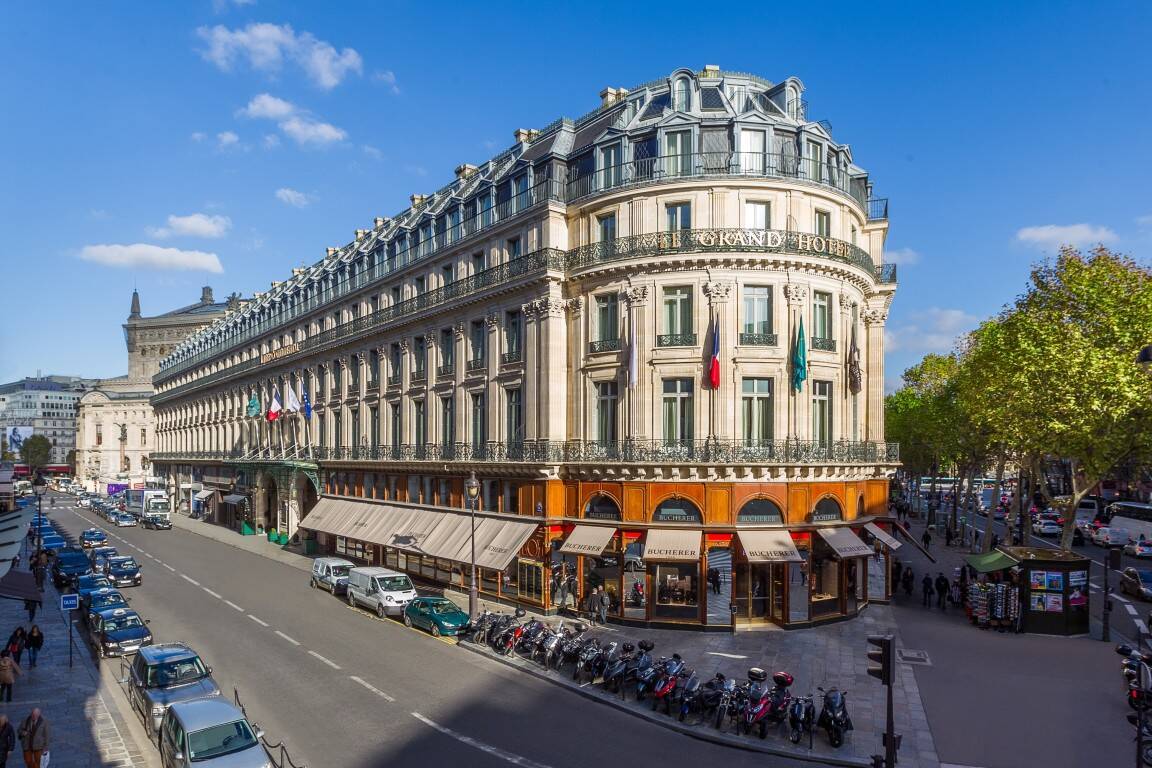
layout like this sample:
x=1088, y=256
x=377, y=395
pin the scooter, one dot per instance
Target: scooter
x=479, y=629
x=686, y=697
x=510, y=634
x=801, y=718
x=834, y=717
x=595, y=668
x=640, y=666
x=615, y=670
x=1146, y=754
x=554, y=645
x=590, y=651
x=665, y=683
x=765, y=705
x=646, y=678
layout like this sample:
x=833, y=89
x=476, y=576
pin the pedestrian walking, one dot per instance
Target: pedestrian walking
x=941, y=591
x=16, y=643
x=897, y=572
x=603, y=601
x=31, y=606
x=948, y=536
x=34, y=739
x=7, y=740
x=926, y=588
x=38, y=575
x=16, y=561
x=926, y=539
x=35, y=643
x=8, y=672
x=907, y=580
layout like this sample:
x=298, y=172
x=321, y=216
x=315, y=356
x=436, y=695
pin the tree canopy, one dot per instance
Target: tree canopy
x=36, y=452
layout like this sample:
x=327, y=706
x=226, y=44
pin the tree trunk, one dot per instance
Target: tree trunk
x=995, y=501
x=969, y=508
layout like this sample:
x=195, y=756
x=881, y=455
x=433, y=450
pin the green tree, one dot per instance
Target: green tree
x=36, y=453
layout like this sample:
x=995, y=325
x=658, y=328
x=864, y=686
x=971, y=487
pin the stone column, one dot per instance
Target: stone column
x=722, y=401
x=492, y=352
x=405, y=379
x=842, y=422
x=873, y=365
x=460, y=361
x=571, y=354
x=640, y=397
x=431, y=403
x=798, y=402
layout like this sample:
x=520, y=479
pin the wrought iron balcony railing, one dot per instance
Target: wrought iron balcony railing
x=446, y=370
x=758, y=339
x=511, y=356
x=477, y=364
x=604, y=345
x=826, y=345
x=394, y=380
x=676, y=340
x=420, y=375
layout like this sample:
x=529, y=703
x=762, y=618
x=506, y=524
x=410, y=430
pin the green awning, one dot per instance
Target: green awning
x=990, y=561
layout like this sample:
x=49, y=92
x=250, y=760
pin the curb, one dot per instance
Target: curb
x=666, y=722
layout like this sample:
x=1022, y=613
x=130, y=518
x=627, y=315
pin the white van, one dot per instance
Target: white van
x=1107, y=536
x=331, y=573
x=383, y=590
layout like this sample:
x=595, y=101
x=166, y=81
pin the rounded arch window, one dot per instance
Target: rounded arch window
x=682, y=95
x=677, y=511
x=761, y=511
x=602, y=507
x=827, y=509
x=860, y=506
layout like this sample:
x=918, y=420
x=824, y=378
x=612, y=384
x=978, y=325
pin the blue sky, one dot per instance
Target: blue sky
x=246, y=137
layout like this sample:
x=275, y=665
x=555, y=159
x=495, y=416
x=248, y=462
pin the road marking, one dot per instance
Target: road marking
x=507, y=757
x=1093, y=586
x=1120, y=597
x=324, y=659
x=289, y=639
x=261, y=622
x=216, y=595
x=371, y=687
x=1140, y=625
x=168, y=567
x=1131, y=610
x=231, y=604
x=149, y=556
x=726, y=655
x=189, y=579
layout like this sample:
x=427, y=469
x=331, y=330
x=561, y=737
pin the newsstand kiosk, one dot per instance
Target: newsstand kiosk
x=1053, y=590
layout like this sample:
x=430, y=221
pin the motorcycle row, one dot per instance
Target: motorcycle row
x=667, y=682
x=1137, y=670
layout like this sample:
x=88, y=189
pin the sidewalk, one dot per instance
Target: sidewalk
x=257, y=545
x=87, y=728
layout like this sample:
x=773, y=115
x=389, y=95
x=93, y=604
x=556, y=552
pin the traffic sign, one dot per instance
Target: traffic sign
x=69, y=602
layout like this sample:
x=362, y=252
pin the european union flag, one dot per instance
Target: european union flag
x=307, y=406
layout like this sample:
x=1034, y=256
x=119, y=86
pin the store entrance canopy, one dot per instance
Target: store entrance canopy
x=589, y=540
x=234, y=498
x=202, y=495
x=990, y=561
x=497, y=542
x=885, y=537
x=676, y=545
x=844, y=543
x=769, y=547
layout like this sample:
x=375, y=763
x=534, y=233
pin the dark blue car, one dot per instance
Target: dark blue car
x=124, y=571
x=117, y=632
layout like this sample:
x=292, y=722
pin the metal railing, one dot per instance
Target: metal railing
x=823, y=344
x=676, y=340
x=420, y=374
x=604, y=345
x=512, y=356
x=877, y=208
x=887, y=273
x=758, y=339
x=477, y=364
x=447, y=369
x=394, y=380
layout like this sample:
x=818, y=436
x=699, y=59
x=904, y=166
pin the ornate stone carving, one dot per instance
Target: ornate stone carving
x=636, y=296
x=549, y=307
x=492, y=319
x=530, y=309
x=796, y=294
x=717, y=292
x=460, y=329
x=343, y=363
x=846, y=302
x=404, y=344
x=575, y=306
x=874, y=316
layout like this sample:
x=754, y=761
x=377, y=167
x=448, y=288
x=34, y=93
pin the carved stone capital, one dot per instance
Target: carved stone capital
x=549, y=307
x=530, y=309
x=846, y=302
x=460, y=330
x=575, y=306
x=717, y=292
x=492, y=319
x=874, y=316
x=381, y=352
x=636, y=296
x=430, y=338
x=795, y=294
x=403, y=344
x=343, y=363
x=324, y=365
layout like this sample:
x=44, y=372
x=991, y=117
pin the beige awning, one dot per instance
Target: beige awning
x=507, y=538
x=844, y=542
x=885, y=538
x=328, y=516
x=202, y=495
x=670, y=544
x=589, y=540
x=769, y=547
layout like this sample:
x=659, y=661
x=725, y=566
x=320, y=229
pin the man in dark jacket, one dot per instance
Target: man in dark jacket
x=941, y=591
x=926, y=588
x=7, y=740
x=34, y=738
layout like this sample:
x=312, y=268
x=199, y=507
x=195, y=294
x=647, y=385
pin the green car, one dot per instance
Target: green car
x=438, y=615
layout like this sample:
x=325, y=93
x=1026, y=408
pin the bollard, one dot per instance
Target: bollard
x=732, y=610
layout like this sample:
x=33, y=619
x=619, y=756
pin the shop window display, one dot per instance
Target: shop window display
x=530, y=580
x=635, y=587
x=676, y=588
x=825, y=588
x=676, y=511
x=798, y=587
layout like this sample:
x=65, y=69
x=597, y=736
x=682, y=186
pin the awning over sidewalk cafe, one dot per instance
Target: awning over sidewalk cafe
x=844, y=543
x=666, y=544
x=885, y=538
x=769, y=547
x=590, y=540
x=987, y=562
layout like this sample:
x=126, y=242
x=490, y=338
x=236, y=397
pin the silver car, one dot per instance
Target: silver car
x=162, y=675
x=210, y=733
x=331, y=573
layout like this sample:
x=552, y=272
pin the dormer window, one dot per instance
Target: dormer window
x=682, y=95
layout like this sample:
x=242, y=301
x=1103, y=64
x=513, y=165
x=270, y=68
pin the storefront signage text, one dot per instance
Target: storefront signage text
x=771, y=554
x=278, y=354
x=655, y=554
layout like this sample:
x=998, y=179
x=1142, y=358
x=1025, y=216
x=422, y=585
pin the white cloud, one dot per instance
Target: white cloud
x=1056, y=235
x=199, y=136
x=388, y=77
x=1144, y=221
x=265, y=105
x=293, y=197
x=372, y=152
x=901, y=256
x=304, y=130
x=145, y=256
x=416, y=170
x=226, y=139
x=271, y=141
x=194, y=225
x=935, y=329
x=99, y=214
x=267, y=46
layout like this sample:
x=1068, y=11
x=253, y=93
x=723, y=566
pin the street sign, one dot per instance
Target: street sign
x=69, y=602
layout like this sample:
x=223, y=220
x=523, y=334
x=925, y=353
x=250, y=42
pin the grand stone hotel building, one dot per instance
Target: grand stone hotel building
x=547, y=321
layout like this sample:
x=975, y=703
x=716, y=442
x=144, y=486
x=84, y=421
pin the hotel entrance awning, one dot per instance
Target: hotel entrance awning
x=844, y=543
x=589, y=540
x=202, y=495
x=769, y=547
x=666, y=544
x=883, y=535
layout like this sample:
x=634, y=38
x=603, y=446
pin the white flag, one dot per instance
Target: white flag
x=293, y=404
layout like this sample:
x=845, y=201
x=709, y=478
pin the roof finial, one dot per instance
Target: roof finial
x=135, y=313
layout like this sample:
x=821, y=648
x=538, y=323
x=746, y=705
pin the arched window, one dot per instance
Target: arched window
x=676, y=511
x=602, y=507
x=827, y=509
x=860, y=506
x=760, y=511
x=682, y=95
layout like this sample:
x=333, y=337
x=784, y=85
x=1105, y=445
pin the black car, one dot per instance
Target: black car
x=117, y=632
x=89, y=583
x=156, y=522
x=70, y=564
x=123, y=571
x=102, y=600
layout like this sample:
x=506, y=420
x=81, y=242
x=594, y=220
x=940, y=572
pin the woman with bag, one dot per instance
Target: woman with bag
x=16, y=643
x=34, y=643
x=8, y=671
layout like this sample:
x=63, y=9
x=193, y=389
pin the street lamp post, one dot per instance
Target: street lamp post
x=472, y=488
x=38, y=487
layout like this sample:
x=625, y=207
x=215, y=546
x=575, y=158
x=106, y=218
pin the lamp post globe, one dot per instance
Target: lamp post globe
x=472, y=489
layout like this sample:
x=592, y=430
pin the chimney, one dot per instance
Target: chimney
x=135, y=311
x=522, y=136
x=418, y=200
x=206, y=295
x=360, y=233
x=608, y=96
x=332, y=251
x=379, y=222
x=464, y=170
x=711, y=70
x=298, y=271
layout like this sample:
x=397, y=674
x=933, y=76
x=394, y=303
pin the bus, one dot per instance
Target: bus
x=1131, y=516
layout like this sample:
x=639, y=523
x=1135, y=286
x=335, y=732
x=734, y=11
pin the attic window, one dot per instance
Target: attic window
x=682, y=95
x=711, y=100
x=656, y=107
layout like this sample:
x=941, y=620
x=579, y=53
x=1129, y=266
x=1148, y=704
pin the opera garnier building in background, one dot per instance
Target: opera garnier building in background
x=654, y=333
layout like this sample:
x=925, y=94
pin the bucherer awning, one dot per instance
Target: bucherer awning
x=885, y=538
x=769, y=547
x=589, y=540
x=844, y=543
x=670, y=544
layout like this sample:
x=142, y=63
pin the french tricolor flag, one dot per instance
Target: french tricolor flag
x=274, y=409
x=714, y=365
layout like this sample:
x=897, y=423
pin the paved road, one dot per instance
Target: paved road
x=345, y=689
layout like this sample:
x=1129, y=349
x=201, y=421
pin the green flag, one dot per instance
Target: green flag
x=799, y=359
x=253, y=405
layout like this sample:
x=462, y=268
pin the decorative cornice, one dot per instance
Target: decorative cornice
x=460, y=328
x=549, y=306
x=575, y=306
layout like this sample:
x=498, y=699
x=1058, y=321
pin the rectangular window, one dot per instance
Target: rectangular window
x=397, y=296
x=815, y=161
x=822, y=223
x=512, y=334
x=354, y=376
x=374, y=368
x=515, y=416
x=607, y=399
x=395, y=425
x=677, y=216
x=752, y=157
x=397, y=360
x=608, y=317
x=99, y=435
x=355, y=416
x=337, y=379
x=143, y=438
x=447, y=274
x=479, y=339
x=337, y=428
x=419, y=355
x=757, y=215
x=607, y=227
x=757, y=310
x=513, y=248
x=447, y=348
x=821, y=315
x=420, y=421
x=822, y=412
x=419, y=284
x=447, y=420
x=677, y=410
x=678, y=310
x=678, y=153
x=479, y=420
x=610, y=170
x=485, y=209
x=756, y=404
x=477, y=263
x=374, y=426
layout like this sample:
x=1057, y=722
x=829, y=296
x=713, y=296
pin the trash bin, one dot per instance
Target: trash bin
x=273, y=536
x=246, y=529
x=310, y=546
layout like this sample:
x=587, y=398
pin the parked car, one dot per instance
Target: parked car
x=156, y=523
x=1136, y=582
x=89, y=583
x=438, y=615
x=124, y=571
x=117, y=631
x=331, y=573
x=165, y=674
x=102, y=600
x=124, y=520
x=1047, y=525
x=100, y=556
x=1138, y=548
x=93, y=537
x=210, y=733
x=70, y=565
x=384, y=591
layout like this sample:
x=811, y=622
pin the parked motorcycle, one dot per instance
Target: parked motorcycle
x=646, y=677
x=685, y=698
x=665, y=682
x=1146, y=754
x=639, y=667
x=801, y=718
x=834, y=717
x=594, y=670
x=530, y=635
x=571, y=647
x=552, y=647
x=508, y=634
x=479, y=629
x=615, y=671
x=1136, y=665
x=766, y=705
x=589, y=651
